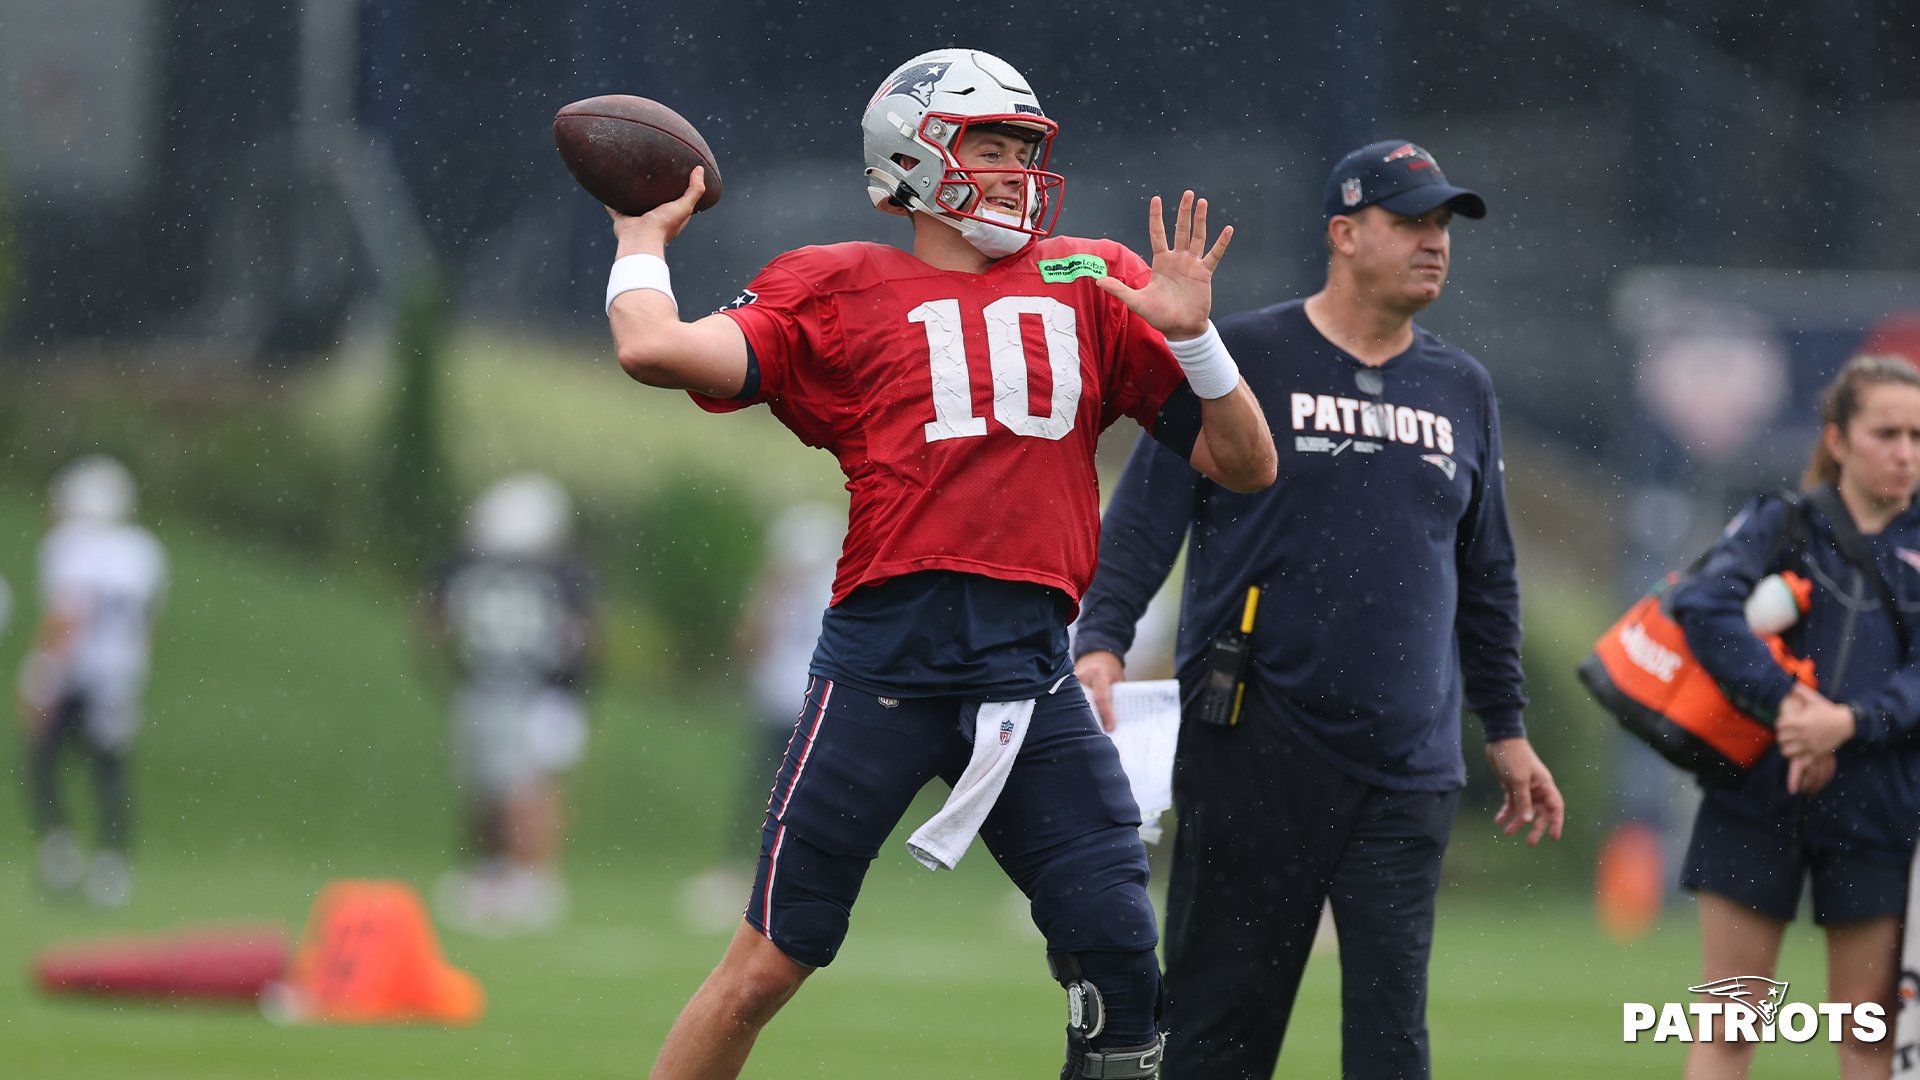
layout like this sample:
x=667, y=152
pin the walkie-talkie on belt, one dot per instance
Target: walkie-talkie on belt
x=1226, y=683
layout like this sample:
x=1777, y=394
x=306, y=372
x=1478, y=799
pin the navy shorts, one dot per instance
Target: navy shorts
x=1764, y=865
x=1065, y=828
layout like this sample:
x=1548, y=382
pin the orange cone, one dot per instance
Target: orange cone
x=1630, y=882
x=370, y=956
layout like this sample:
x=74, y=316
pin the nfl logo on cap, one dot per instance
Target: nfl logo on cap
x=1350, y=191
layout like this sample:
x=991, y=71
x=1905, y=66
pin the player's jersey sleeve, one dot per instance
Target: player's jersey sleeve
x=1146, y=381
x=792, y=345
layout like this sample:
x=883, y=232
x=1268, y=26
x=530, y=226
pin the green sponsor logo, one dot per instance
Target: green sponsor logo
x=1073, y=266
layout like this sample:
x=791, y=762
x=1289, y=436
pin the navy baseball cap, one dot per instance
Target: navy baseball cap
x=1399, y=176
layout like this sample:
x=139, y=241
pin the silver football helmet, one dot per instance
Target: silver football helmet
x=916, y=120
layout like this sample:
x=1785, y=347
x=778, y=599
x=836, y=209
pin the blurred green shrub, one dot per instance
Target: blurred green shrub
x=415, y=500
x=234, y=461
x=688, y=550
x=1572, y=736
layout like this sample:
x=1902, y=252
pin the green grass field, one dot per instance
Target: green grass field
x=293, y=739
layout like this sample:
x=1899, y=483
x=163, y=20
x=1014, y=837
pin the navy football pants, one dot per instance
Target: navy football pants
x=1267, y=833
x=1065, y=829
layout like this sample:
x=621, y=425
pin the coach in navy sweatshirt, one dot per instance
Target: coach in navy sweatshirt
x=1326, y=766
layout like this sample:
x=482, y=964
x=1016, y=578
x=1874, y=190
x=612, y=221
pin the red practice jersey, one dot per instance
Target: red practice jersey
x=964, y=408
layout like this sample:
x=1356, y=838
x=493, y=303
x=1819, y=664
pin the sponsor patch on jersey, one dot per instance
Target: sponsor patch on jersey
x=1073, y=266
x=747, y=296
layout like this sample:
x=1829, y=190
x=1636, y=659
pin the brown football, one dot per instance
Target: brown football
x=632, y=153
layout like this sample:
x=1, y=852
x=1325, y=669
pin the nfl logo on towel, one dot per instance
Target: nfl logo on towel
x=1006, y=732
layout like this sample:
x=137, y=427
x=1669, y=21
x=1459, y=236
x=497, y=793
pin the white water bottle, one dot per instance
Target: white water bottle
x=1771, y=606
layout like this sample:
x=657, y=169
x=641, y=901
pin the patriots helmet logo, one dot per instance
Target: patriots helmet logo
x=1415, y=157
x=916, y=82
x=1771, y=993
x=747, y=296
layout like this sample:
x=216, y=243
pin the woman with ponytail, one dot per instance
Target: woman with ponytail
x=1837, y=798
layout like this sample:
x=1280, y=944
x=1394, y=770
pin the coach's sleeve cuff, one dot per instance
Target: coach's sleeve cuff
x=1503, y=723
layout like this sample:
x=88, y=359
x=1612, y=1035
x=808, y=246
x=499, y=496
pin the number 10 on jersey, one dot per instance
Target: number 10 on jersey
x=953, y=416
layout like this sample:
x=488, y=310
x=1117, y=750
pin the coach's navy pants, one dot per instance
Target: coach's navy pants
x=1268, y=832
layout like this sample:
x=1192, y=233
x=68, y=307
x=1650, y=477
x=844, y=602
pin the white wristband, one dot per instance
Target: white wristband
x=1210, y=369
x=639, y=272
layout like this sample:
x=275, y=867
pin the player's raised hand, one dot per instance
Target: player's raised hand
x=1178, y=298
x=651, y=232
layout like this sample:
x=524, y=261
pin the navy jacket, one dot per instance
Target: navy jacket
x=1873, y=803
x=1382, y=553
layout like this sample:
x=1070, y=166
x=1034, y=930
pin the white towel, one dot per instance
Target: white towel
x=998, y=730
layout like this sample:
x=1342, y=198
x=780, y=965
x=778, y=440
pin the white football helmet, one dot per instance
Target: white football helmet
x=95, y=488
x=527, y=515
x=917, y=119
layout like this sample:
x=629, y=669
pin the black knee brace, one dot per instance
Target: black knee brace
x=1087, y=1016
x=1118, y=1063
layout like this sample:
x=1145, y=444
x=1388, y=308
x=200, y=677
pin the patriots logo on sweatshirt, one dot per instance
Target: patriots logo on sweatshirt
x=1908, y=556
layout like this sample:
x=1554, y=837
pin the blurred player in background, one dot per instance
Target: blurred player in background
x=101, y=582
x=776, y=638
x=962, y=385
x=513, y=612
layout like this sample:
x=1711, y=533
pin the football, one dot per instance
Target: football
x=632, y=153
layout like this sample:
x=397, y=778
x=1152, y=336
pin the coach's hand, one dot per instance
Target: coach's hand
x=1532, y=797
x=1098, y=671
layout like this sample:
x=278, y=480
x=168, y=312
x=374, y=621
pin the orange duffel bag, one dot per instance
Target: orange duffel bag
x=1643, y=673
